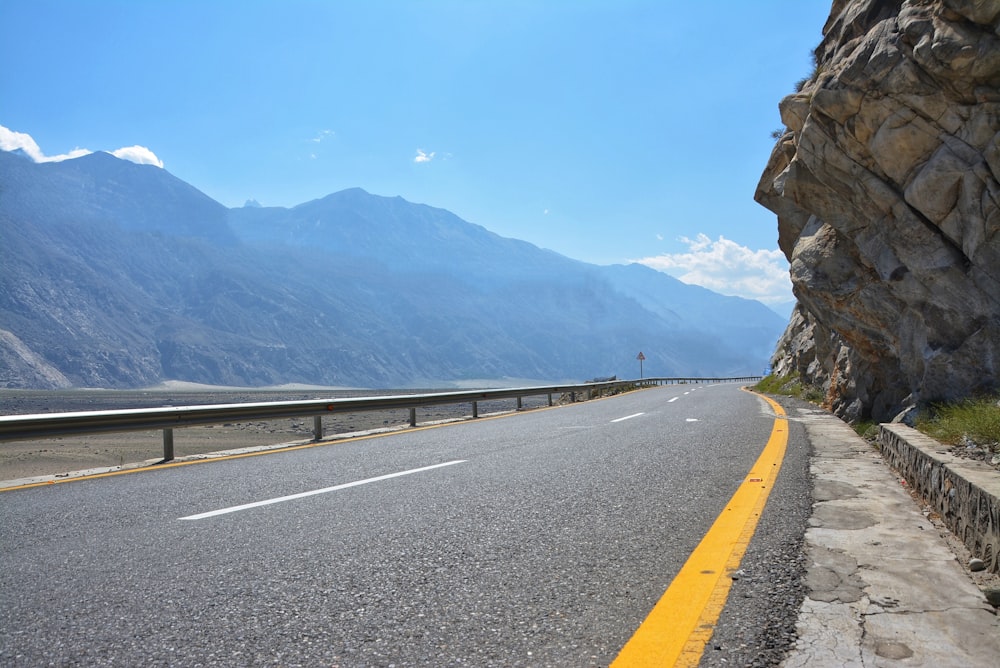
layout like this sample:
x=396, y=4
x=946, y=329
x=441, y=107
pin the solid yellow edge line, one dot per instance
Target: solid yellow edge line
x=682, y=621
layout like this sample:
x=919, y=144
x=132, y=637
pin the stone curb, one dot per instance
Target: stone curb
x=964, y=492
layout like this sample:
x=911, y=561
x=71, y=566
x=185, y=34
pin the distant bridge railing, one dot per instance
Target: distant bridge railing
x=53, y=425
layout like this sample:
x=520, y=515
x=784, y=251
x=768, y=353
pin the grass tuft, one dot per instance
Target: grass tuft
x=971, y=420
x=866, y=429
x=789, y=386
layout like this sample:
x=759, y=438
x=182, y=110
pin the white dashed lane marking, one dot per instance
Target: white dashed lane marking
x=325, y=490
x=627, y=417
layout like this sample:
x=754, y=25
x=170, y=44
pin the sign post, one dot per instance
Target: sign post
x=640, y=357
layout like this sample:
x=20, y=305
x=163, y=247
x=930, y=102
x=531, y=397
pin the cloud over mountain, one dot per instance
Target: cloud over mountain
x=728, y=268
x=137, y=154
x=11, y=140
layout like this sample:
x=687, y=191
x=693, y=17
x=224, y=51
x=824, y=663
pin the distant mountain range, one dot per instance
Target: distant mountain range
x=119, y=275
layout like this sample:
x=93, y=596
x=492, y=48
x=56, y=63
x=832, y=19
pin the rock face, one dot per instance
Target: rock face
x=885, y=183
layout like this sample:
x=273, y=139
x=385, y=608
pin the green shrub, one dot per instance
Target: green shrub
x=976, y=420
x=812, y=394
x=789, y=385
x=866, y=429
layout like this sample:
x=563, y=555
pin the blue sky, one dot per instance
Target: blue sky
x=606, y=131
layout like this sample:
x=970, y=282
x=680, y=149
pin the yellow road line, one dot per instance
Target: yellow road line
x=682, y=621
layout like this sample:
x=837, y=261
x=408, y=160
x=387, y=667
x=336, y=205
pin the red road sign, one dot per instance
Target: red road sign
x=640, y=356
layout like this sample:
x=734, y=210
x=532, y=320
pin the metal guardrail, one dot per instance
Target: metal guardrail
x=53, y=425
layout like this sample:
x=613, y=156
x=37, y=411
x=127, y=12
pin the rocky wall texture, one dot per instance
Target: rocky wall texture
x=885, y=183
x=966, y=493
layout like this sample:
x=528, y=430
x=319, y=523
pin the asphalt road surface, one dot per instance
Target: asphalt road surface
x=538, y=539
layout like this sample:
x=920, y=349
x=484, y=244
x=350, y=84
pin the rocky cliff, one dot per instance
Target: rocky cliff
x=885, y=183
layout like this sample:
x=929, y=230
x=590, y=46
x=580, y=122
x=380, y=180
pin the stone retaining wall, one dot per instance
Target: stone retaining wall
x=966, y=493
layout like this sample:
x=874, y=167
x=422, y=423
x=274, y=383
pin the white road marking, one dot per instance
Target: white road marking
x=692, y=420
x=627, y=417
x=670, y=401
x=302, y=495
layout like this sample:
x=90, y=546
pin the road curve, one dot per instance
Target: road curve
x=540, y=539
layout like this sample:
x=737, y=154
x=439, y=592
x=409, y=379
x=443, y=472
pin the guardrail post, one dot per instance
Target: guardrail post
x=168, y=444
x=317, y=427
x=550, y=398
x=413, y=417
x=475, y=409
x=519, y=404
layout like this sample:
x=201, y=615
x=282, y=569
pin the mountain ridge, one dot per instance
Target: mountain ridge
x=121, y=275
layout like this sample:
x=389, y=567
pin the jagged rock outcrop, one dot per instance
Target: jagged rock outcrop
x=885, y=183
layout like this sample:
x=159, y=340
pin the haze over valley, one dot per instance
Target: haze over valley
x=119, y=275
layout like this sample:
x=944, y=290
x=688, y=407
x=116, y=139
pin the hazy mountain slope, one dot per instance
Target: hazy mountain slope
x=101, y=187
x=402, y=235
x=697, y=310
x=633, y=302
x=117, y=275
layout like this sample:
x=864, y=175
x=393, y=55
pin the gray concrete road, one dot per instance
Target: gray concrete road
x=539, y=539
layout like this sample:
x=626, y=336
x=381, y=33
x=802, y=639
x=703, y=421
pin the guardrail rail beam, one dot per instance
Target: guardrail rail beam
x=53, y=425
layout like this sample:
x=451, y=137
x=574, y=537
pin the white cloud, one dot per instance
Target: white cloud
x=323, y=134
x=423, y=156
x=139, y=155
x=11, y=141
x=728, y=268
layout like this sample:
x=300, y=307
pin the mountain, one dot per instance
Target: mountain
x=99, y=186
x=114, y=274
